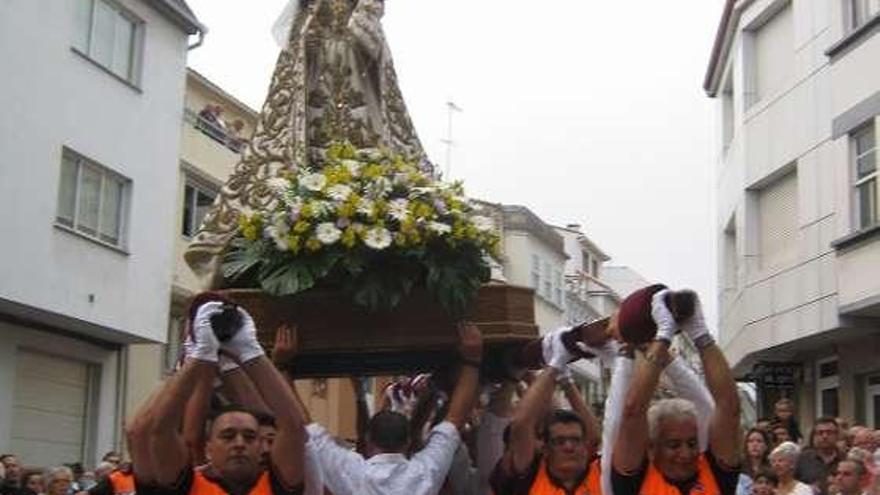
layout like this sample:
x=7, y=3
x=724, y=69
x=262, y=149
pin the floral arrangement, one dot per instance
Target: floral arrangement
x=370, y=223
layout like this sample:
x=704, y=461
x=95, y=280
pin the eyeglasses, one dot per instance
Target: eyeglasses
x=562, y=440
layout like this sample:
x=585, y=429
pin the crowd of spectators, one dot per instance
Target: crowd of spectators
x=228, y=133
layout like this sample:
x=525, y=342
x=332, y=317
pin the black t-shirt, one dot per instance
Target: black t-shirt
x=623, y=484
x=104, y=487
x=504, y=479
x=183, y=486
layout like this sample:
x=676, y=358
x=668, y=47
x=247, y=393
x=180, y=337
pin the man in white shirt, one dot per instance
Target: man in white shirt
x=387, y=469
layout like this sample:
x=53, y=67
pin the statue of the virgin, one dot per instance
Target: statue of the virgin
x=334, y=81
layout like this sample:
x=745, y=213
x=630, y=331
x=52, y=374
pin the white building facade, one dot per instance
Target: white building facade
x=92, y=95
x=798, y=92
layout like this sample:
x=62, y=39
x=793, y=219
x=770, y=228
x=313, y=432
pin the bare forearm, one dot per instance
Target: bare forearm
x=632, y=438
x=170, y=404
x=300, y=405
x=533, y=405
x=580, y=407
x=166, y=441
x=464, y=396
x=288, y=451
x=724, y=431
x=195, y=414
x=501, y=404
x=275, y=392
x=240, y=390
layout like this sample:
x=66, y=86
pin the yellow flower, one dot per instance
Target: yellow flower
x=293, y=243
x=373, y=171
x=349, y=237
x=250, y=226
x=313, y=244
x=300, y=227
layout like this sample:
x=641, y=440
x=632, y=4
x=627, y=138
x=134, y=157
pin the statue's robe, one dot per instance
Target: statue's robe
x=333, y=81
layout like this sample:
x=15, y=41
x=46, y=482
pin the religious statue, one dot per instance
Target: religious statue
x=334, y=81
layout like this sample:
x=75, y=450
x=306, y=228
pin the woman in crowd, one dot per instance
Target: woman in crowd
x=755, y=450
x=32, y=482
x=783, y=459
x=57, y=480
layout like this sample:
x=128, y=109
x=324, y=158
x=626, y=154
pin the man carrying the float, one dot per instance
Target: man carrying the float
x=657, y=449
x=162, y=461
x=564, y=464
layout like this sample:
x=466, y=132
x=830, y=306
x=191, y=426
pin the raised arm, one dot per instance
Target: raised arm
x=580, y=407
x=631, y=445
x=687, y=385
x=724, y=428
x=621, y=375
x=157, y=428
x=288, y=449
x=533, y=406
x=465, y=394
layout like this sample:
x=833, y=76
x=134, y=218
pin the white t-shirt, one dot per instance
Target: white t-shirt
x=348, y=473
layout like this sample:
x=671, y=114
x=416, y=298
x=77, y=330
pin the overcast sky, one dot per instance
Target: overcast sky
x=585, y=111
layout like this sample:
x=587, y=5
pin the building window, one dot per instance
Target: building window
x=547, y=278
x=585, y=262
x=865, y=160
x=536, y=273
x=197, y=201
x=557, y=287
x=828, y=387
x=861, y=11
x=595, y=268
x=110, y=36
x=92, y=199
x=770, y=54
x=778, y=220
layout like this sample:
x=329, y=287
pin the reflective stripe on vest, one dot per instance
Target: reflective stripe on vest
x=656, y=484
x=544, y=486
x=122, y=483
x=203, y=486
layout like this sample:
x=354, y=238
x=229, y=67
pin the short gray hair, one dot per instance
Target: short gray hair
x=53, y=472
x=668, y=409
x=860, y=468
x=786, y=449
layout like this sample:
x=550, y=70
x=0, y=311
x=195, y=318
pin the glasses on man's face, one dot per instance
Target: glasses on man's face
x=562, y=440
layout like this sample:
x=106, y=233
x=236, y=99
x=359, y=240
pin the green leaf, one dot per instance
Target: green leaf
x=285, y=279
x=241, y=259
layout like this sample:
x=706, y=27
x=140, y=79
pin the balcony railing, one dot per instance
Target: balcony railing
x=214, y=131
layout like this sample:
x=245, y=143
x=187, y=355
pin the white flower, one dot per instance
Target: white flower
x=279, y=221
x=339, y=192
x=420, y=191
x=378, y=238
x=294, y=205
x=401, y=179
x=365, y=207
x=353, y=166
x=397, y=209
x=380, y=187
x=276, y=235
x=277, y=185
x=322, y=208
x=327, y=233
x=482, y=223
x=313, y=182
x=440, y=227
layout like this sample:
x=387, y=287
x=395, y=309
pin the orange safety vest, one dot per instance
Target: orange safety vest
x=122, y=483
x=544, y=486
x=201, y=485
x=656, y=484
